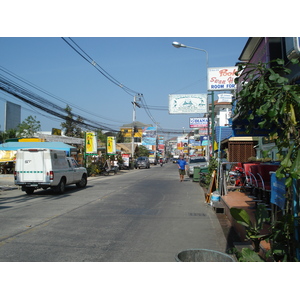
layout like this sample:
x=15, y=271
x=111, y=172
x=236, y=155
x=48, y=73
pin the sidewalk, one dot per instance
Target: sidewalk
x=7, y=182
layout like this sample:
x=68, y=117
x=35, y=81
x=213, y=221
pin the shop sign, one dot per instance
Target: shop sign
x=90, y=143
x=221, y=79
x=198, y=122
x=187, y=103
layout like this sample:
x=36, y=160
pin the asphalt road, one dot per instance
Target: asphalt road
x=142, y=215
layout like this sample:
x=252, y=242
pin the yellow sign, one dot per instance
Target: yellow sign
x=111, y=145
x=90, y=142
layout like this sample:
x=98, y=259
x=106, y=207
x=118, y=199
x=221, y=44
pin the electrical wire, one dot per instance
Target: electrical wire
x=43, y=104
x=91, y=61
x=56, y=97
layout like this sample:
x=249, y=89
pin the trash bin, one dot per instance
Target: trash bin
x=196, y=176
x=203, y=255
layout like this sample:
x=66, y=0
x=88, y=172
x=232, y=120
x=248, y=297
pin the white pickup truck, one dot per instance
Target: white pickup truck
x=44, y=168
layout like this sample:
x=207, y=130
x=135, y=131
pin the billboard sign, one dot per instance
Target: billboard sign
x=111, y=145
x=90, y=143
x=198, y=122
x=187, y=103
x=225, y=98
x=149, y=136
x=221, y=79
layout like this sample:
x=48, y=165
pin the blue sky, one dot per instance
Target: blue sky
x=147, y=65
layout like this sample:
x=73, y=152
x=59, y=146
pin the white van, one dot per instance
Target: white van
x=44, y=168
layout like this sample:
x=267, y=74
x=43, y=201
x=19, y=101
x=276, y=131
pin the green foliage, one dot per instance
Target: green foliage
x=253, y=229
x=247, y=255
x=269, y=100
x=267, y=94
x=101, y=136
x=28, y=127
x=142, y=151
x=4, y=135
x=70, y=126
x=281, y=235
x=212, y=166
x=93, y=169
x=283, y=244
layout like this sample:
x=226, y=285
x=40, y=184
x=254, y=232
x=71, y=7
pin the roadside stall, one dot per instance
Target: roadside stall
x=7, y=159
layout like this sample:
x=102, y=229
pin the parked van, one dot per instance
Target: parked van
x=47, y=168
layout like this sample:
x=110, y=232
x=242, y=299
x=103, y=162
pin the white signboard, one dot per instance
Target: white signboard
x=225, y=98
x=187, y=104
x=198, y=122
x=221, y=79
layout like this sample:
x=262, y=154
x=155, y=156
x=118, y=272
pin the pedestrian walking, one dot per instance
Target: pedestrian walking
x=181, y=165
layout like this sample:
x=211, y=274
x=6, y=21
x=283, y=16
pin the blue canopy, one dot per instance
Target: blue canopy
x=14, y=146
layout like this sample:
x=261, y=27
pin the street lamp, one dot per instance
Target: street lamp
x=179, y=45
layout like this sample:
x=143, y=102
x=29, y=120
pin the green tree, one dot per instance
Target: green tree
x=101, y=136
x=9, y=134
x=269, y=100
x=119, y=137
x=28, y=127
x=70, y=126
x=142, y=151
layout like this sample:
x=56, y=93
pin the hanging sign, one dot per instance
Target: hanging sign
x=90, y=143
x=224, y=98
x=198, y=122
x=187, y=104
x=111, y=145
x=221, y=79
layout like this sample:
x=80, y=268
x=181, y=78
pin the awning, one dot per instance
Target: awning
x=14, y=146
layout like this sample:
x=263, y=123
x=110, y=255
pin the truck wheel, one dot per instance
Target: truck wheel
x=82, y=183
x=60, y=188
x=29, y=191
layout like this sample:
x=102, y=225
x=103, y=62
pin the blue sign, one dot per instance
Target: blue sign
x=239, y=128
x=277, y=191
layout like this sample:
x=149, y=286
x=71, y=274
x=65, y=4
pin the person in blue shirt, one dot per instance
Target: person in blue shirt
x=181, y=165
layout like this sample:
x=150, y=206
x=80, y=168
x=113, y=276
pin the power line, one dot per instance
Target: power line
x=43, y=104
x=55, y=97
x=91, y=61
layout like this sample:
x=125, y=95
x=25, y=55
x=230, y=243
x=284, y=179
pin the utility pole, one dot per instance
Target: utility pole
x=135, y=103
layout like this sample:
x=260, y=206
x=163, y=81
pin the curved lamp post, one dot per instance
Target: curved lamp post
x=179, y=45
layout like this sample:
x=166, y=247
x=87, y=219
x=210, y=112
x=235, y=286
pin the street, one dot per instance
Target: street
x=143, y=215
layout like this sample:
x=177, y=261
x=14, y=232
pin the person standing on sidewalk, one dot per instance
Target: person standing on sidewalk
x=181, y=165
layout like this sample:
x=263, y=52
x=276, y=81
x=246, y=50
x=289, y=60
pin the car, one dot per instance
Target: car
x=47, y=168
x=153, y=160
x=197, y=161
x=142, y=162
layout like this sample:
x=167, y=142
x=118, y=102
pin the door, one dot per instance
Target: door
x=32, y=168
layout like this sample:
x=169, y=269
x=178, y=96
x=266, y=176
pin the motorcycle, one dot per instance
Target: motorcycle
x=236, y=176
